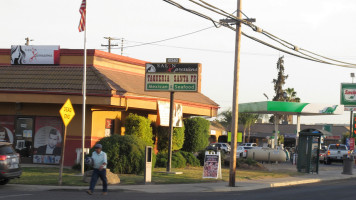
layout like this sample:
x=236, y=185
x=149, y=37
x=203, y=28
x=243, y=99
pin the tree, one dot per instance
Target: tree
x=140, y=127
x=163, y=138
x=247, y=120
x=280, y=81
x=292, y=95
x=226, y=119
x=196, y=134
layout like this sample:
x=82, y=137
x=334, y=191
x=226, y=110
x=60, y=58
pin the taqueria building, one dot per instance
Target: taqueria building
x=35, y=81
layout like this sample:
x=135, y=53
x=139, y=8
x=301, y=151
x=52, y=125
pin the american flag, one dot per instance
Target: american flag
x=82, y=11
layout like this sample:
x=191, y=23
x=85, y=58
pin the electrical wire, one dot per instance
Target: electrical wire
x=265, y=33
x=179, y=36
x=284, y=42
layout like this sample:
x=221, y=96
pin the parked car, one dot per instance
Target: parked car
x=241, y=151
x=225, y=147
x=9, y=163
x=336, y=152
x=322, y=153
x=249, y=145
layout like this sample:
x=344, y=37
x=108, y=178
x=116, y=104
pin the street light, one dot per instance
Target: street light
x=266, y=96
x=352, y=76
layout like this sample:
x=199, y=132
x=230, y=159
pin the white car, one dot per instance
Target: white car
x=241, y=151
x=249, y=145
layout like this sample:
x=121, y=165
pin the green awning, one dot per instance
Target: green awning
x=290, y=108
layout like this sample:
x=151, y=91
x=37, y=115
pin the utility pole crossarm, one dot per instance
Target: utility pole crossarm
x=109, y=45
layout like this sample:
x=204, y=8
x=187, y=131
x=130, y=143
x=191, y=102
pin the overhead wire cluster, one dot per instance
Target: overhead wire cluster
x=291, y=49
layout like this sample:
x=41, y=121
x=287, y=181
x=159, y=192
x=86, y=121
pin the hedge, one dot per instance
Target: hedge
x=163, y=138
x=140, y=127
x=126, y=154
x=196, y=134
x=180, y=159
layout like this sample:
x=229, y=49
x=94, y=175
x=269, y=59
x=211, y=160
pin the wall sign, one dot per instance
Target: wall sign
x=35, y=55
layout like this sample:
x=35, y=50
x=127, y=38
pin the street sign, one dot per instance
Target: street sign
x=67, y=112
x=348, y=94
x=173, y=60
x=172, y=77
x=352, y=143
x=349, y=108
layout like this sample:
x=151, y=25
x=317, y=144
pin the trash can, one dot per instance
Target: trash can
x=348, y=165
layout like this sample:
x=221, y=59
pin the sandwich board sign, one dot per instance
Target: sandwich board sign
x=212, y=165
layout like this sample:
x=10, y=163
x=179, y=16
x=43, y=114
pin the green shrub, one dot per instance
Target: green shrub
x=190, y=158
x=163, y=138
x=178, y=161
x=126, y=154
x=248, y=161
x=201, y=157
x=78, y=167
x=196, y=134
x=140, y=127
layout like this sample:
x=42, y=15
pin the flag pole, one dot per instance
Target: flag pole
x=84, y=91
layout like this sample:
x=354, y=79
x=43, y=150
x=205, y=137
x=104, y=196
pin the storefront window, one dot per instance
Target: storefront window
x=7, y=128
x=48, y=140
x=23, y=134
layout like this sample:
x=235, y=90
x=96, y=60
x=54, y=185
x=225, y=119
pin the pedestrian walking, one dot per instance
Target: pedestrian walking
x=100, y=161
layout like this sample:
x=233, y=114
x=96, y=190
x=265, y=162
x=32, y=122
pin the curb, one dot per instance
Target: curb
x=307, y=181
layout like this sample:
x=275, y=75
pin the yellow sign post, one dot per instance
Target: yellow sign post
x=67, y=114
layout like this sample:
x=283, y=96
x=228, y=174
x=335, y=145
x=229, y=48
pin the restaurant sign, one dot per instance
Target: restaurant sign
x=172, y=77
x=35, y=55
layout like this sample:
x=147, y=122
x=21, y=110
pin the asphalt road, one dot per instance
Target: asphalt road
x=341, y=190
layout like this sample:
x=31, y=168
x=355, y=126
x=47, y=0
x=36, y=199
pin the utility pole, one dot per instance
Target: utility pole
x=122, y=46
x=109, y=45
x=235, y=106
x=28, y=41
x=235, y=102
x=351, y=109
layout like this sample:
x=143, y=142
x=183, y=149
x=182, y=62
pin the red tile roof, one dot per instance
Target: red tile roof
x=100, y=81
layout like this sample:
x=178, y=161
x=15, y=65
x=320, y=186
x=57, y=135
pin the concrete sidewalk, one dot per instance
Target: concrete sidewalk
x=205, y=187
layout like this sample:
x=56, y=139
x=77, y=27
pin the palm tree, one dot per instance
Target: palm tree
x=226, y=119
x=247, y=120
x=292, y=95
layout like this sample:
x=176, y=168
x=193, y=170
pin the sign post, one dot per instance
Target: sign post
x=348, y=98
x=172, y=76
x=67, y=114
x=352, y=144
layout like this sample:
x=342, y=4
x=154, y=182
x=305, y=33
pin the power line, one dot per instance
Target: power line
x=259, y=30
x=179, y=36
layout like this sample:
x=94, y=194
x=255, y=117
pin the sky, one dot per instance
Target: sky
x=326, y=27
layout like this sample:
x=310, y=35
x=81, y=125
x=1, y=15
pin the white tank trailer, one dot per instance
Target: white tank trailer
x=267, y=155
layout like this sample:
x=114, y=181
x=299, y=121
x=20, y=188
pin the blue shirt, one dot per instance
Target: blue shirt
x=99, y=159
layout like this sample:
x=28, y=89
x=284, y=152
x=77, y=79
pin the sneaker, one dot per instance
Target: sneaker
x=89, y=192
x=104, y=193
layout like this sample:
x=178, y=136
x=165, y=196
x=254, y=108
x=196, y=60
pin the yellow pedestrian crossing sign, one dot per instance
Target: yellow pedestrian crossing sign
x=67, y=112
